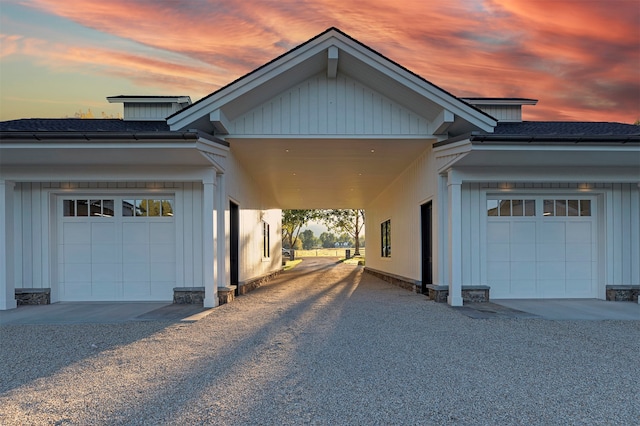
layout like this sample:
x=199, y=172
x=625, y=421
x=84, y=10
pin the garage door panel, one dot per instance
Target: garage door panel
x=552, y=232
x=103, y=232
x=523, y=232
x=551, y=288
x=135, y=231
x=135, y=253
x=500, y=289
x=579, y=270
x=104, y=272
x=523, y=288
x=136, y=290
x=77, y=291
x=579, y=232
x=76, y=233
x=77, y=272
x=162, y=271
x=523, y=270
x=523, y=252
x=550, y=252
x=162, y=253
x=499, y=232
x=161, y=233
x=498, y=252
x=550, y=270
x=76, y=253
x=105, y=290
x=133, y=272
x=104, y=253
x=161, y=290
x=579, y=252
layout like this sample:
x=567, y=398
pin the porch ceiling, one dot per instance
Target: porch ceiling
x=325, y=173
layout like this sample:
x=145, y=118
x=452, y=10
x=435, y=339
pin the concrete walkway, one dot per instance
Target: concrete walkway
x=575, y=309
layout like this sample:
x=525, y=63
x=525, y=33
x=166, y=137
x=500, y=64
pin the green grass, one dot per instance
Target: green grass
x=291, y=264
x=357, y=260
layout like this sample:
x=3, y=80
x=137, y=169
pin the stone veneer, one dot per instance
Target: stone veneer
x=470, y=293
x=623, y=293
x=397, y=280
x=250, y=285
x=188, y=295
x=33, y=296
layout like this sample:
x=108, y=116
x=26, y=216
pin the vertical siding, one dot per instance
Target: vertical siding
x=330, y=106
x=401, y=203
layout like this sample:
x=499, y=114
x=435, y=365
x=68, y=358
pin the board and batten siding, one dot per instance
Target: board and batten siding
x=254, y=209
x=35, y=223
x=401, y=202
x=323, y=106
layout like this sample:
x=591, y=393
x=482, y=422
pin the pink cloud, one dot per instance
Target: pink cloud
x=580, y=59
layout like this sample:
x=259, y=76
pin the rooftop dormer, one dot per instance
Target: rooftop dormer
x=150, y=108
x=505, y=110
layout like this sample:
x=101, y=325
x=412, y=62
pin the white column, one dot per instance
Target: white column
x=221, y=254
x=7, y=283
x=441, y=272
x=208, y=240
x=454, y=185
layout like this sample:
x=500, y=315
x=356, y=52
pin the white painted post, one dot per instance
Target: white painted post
x=221, y=254
x=208, y=240
x=455, y=239
x=7, y=284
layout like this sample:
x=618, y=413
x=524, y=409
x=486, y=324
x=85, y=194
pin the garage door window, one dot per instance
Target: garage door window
x=147, y=207
x=84, y=208
x=567, y=208
x=511, y=207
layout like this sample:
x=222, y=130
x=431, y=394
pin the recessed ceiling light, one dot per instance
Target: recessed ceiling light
x=373, y=150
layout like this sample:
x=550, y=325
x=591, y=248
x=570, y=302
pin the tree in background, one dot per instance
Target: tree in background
x=309, y=240
x=328, y=240
x=292, y=223
x=350, y=221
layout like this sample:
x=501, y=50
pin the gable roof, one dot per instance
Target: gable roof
x=309, y=58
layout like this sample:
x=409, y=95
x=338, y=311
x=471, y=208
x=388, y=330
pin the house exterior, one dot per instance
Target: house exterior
x=186, y=198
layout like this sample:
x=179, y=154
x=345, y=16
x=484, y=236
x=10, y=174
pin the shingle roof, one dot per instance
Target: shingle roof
x=566, y=128
x=81, y=125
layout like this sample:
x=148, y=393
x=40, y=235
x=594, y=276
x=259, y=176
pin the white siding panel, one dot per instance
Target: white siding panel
x=321, y=106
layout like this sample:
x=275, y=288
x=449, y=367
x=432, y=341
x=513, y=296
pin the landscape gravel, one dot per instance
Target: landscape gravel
x=324, y=343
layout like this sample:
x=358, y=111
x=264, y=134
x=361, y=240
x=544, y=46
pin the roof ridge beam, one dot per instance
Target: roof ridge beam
x=332, y=62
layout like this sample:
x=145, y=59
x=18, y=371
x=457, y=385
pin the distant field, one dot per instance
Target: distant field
x=334, y=252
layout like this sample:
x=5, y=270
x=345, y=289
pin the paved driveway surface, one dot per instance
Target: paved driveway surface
x=322, y=344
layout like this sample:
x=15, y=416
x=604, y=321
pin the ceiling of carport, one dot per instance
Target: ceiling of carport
x=325, y=173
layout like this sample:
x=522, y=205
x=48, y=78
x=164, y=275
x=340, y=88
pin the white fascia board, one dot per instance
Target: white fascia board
x=554, y=146
x=532, y=174
x=79, y=173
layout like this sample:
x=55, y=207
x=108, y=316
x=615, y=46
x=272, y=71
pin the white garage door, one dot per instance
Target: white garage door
x=116, y=248
x=541, y=247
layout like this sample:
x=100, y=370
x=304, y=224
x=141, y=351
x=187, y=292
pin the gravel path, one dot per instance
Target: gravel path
x=323, y=344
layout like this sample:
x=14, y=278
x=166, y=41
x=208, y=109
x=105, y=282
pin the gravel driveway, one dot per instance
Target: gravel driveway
x=323, y=344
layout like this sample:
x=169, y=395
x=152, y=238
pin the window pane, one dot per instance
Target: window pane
x=492, y=207
x=153, y=207
x=69, y=207
x=96, y=208
x=505, y=208
x=128, y=207
x=107, y=208
x=548, y=208
x=516, y=208
x=141, y=207
x=585, y=207
x=82, y=208
x=561, y=208
x=167, y=207
x=572, y=208
x=529, y=207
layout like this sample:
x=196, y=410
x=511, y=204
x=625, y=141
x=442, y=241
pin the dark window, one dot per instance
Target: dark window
x=385, y=234
x=266, y=246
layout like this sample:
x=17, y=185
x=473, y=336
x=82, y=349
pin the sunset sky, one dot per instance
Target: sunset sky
x=579, y=58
